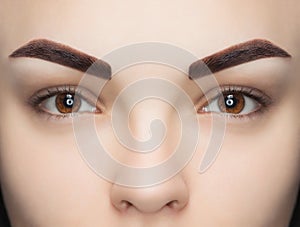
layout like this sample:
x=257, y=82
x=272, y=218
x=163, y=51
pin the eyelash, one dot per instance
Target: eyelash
x=260, y=97
x=37, y=99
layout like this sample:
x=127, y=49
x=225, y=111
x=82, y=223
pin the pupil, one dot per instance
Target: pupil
x=69, y=101
x=230, y=101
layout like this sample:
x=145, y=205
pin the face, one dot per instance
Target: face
x=253, y=181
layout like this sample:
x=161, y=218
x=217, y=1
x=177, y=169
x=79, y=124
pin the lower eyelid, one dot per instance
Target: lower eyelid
x=260, y=97
x=50, y=93
x=235, y=120
x=91, y=98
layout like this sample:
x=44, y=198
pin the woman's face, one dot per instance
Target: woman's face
x=252, y=182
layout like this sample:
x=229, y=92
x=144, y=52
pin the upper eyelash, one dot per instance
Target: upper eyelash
x=45, y=93
x=254, y=93
x=263, y=99
x=38, y=97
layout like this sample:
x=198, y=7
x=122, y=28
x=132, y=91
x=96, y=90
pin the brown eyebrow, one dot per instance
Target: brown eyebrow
x=238, y=54
x=64, y=55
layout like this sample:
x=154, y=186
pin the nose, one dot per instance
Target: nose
x=172, y=195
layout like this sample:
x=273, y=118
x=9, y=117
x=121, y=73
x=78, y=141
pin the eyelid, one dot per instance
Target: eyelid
x=263, y=99
x=41, y=95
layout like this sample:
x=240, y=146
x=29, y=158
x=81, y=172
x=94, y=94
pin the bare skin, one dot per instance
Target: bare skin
x=254, y=180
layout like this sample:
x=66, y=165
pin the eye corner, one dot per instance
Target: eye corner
x=252, y=101
x=57, y=102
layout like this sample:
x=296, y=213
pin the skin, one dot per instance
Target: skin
x=254, y=180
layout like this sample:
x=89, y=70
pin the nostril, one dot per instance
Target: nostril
x=124, y=205
x=172, y=203
x=175, y=205
x=172, y=195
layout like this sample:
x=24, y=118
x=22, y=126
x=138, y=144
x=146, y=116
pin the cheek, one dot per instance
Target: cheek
x=44, y=178
x=256, y=172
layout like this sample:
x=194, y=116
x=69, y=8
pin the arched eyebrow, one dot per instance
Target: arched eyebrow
x=64, y=55
x=236, y=55
x=67, y=56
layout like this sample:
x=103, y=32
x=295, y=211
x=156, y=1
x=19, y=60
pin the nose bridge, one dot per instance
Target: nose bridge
x=173, y=195
x=144, y=113
x=143, y=116
x=162, y=140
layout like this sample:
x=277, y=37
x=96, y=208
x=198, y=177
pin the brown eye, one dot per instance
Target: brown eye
x=231, y=102
x=67, y=103
x=235, y=100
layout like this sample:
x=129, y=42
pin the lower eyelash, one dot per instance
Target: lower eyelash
x=251, y=116
x=264, y=100
x=38, y=97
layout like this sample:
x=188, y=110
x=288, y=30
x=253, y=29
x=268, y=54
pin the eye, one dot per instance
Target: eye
x=232, y=103
x=236, y=101
x=64, y=101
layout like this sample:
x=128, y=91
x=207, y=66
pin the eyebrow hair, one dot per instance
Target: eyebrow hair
x=64, y=55
x=235, y=55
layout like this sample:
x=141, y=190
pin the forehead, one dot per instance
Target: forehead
x=200, y=26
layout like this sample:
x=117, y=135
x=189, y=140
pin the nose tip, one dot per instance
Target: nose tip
x=172, y=195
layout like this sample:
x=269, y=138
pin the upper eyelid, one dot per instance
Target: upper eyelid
x=251, y=92
x=207, y=97
x=85, y=93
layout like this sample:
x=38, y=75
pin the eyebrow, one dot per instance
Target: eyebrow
x=67, y=56
x=235, y=55
x=64, y=55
